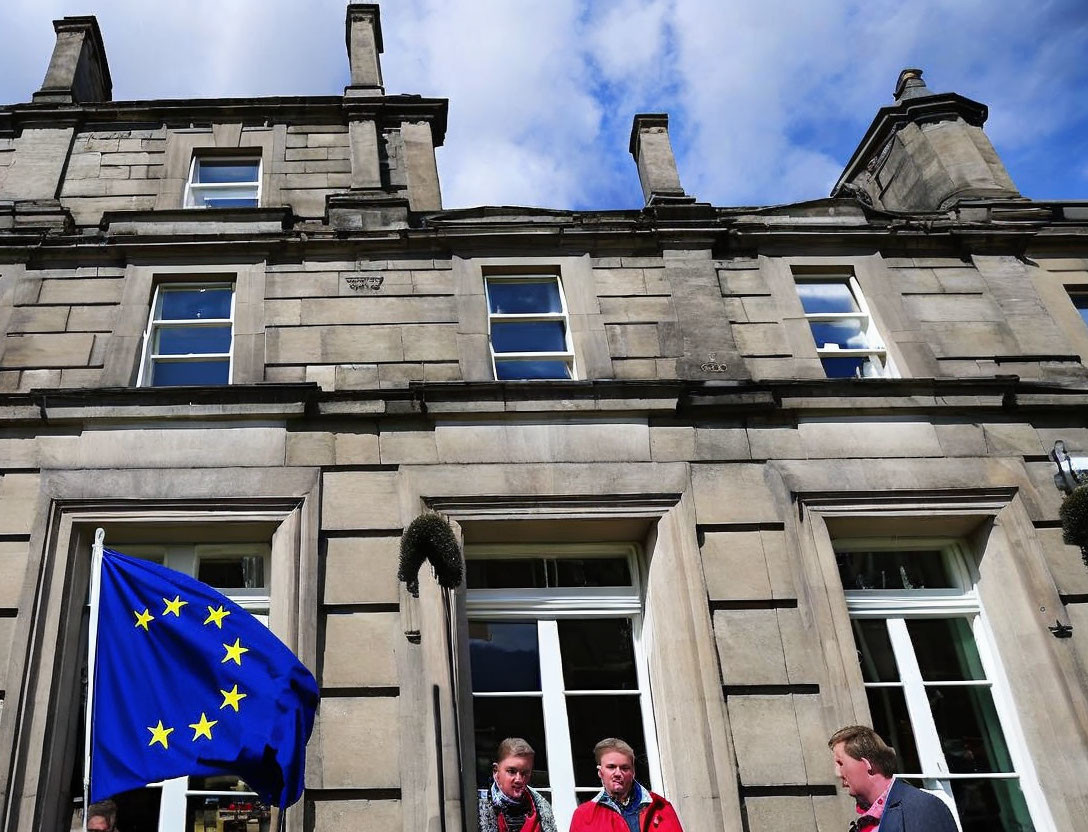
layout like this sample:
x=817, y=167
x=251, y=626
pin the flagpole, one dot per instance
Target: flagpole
x=92, y=649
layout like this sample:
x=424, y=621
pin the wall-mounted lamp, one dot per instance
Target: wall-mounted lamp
x=1072, y=470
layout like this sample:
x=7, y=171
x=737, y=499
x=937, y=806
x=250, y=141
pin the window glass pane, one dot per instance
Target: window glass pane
x=591, y=719
x=175, y=373
x=506, y=370
x=220, y=201
x=498, y=717
x=888, y=708
x=137, y=809
x=967, y=725
x=598, y=654
x=897, y=570
x=946, y=649
x=225, y=170
x=1080, y=300
x=591, y=572
x=192, y=340
x=848, y=334
x=534, y=336
x=826, y=297
x=991, y=805
x=229, y=813
x=504, y=656
x=506, y=573
x=857, y=366
x=232, y=573
x=194, y=304
x=522, y=298
x=875, y=650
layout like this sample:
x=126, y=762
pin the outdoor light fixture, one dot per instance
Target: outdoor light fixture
x=1072, y=470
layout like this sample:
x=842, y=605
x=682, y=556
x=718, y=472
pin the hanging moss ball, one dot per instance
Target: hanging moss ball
x=430, y=538
x=1074, y=516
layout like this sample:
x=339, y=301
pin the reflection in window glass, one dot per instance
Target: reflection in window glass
x=875, y=650
x=498, y=717
x=1080, y=300
x=520, y=297
x=224, y=183
x=894, y=570
x=593, y=717
x=986, y=805
x=189, y=336
x=192, y=304
x=504, y=656
x=823, y=297
x=533, y=336
x=539, y=573
x=967, y=724
x=888, y=708
x=528, y=328
x=513, y=370
x=854, y=366
x=232, y=573
x=505, y=573
x=846, y=335
x=598, y=654
x=945, y=648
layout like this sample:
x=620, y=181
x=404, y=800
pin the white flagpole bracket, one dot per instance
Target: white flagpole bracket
x=92, y=649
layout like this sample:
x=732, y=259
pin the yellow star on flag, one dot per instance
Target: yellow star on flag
x=204, y=727
x=174, y=606
x=234, y=652
x=159, y=735
x=216, y=616
x=232, y=698
x=142, y=618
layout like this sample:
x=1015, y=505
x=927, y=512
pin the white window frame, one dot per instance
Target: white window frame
x=192, y=189
x=546, y=607
x=877, y=351
x=895, y=607
x=565, y=355
x=185, y=558
x=156, y=323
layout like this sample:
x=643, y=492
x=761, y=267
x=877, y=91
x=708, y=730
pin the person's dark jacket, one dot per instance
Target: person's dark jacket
x=911, y=810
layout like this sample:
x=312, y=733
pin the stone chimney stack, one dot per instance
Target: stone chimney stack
x=78, y=72
x=925, y=153
x=364, y=40
x=656, y=163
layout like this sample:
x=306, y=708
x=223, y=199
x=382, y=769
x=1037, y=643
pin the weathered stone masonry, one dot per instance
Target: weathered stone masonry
x=700, y=426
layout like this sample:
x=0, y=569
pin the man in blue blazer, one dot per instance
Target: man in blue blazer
x=866, y=767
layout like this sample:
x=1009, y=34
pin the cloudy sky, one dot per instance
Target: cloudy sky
x=767, y=100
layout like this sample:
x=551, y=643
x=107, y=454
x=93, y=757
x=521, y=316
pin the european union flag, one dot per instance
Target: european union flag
x=189, y=683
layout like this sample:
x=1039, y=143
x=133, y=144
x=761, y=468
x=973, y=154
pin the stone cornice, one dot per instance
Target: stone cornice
x=388, y=110
x=996, y=396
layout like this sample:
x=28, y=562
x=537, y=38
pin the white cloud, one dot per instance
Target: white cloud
x=766, y=101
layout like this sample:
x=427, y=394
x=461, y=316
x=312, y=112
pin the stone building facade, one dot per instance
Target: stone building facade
x=726, y=479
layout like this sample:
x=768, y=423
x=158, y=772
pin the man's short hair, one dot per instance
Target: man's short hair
x=613, y=744
x=103, y=809
x=513, y=747
x=862, y=742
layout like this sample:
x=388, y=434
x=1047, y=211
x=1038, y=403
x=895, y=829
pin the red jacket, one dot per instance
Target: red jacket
x=656, y=816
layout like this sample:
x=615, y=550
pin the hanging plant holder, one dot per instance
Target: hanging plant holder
x=1074, y=517
x=430, y=538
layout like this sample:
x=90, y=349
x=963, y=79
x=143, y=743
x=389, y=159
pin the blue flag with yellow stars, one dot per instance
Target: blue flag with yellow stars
x=189, y=683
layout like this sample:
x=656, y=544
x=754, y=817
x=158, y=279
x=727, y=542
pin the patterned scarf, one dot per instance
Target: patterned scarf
x=514, y=815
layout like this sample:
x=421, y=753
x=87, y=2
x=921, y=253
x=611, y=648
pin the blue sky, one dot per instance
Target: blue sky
x=767, y=100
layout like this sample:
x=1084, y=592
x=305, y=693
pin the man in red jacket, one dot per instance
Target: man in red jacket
x=622, y=805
